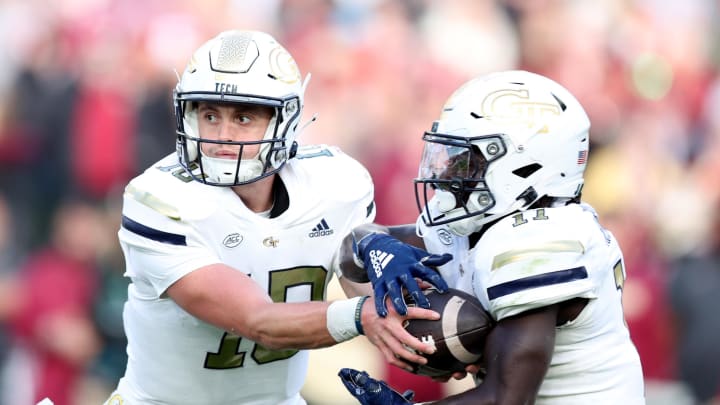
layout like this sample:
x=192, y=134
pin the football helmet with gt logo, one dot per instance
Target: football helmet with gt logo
x=247, y=67
x=503, y=141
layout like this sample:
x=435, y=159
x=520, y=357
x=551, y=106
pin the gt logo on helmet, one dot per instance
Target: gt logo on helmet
x=514, y=105
x=283, y=66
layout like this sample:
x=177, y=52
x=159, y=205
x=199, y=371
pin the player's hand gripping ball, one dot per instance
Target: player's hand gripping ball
x=459, y=335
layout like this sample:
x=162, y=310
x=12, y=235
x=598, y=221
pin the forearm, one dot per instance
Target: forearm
x=290, y=325
x=230, y=300
x=517, y=353
x=407, y=233
x=344, y=264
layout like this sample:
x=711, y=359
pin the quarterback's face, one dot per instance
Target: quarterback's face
x=232, y=123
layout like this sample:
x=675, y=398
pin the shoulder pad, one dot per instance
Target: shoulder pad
x=330, y=166
x=170, y=192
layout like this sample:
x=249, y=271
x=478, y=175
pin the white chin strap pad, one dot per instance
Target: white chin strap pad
x=445, y=201
x=223, y=170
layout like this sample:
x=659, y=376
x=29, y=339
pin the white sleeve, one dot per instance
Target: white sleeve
x=537, y=264
x=535, y=282
x=159, y=250
x=360, y=211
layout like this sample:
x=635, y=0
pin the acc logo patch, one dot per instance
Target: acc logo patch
x=232, y=240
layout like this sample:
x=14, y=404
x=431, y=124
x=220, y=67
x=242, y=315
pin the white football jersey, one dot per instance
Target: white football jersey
x=172, y=225
x=545, y=256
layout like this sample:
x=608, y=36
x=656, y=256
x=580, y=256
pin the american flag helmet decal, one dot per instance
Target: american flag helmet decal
x=582, y=157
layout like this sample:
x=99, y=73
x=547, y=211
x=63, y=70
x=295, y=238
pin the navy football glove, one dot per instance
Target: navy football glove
x=391, y=265
x=370, y=391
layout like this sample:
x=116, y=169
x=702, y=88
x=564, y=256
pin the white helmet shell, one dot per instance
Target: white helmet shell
x=502, y=142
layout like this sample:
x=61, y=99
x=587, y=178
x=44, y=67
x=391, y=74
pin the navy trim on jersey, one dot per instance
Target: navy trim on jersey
x=151, y=233
x=370, y=208
x=540, y=280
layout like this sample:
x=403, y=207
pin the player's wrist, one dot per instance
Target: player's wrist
x=344, y=318
x=358, y=314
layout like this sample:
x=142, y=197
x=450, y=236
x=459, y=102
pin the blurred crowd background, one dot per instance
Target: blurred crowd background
x=85, y=105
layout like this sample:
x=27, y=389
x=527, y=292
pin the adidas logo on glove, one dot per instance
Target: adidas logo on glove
x=379, y=260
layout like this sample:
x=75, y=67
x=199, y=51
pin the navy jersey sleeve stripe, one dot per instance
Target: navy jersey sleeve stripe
x=540, y=280
x=151, y=233
x=369, y=209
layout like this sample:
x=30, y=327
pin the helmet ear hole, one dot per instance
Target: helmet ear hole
x=563, y=106
x=528, y=170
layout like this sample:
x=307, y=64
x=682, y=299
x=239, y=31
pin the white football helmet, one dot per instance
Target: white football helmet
x=503, y=141
x=239, y=67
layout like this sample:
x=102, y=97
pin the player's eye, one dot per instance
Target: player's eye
x=243, y=119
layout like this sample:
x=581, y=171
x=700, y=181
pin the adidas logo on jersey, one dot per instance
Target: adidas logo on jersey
x=321, y=229
x=379, y=260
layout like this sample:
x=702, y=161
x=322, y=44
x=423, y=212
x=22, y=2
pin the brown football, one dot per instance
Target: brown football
x=459, y=335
